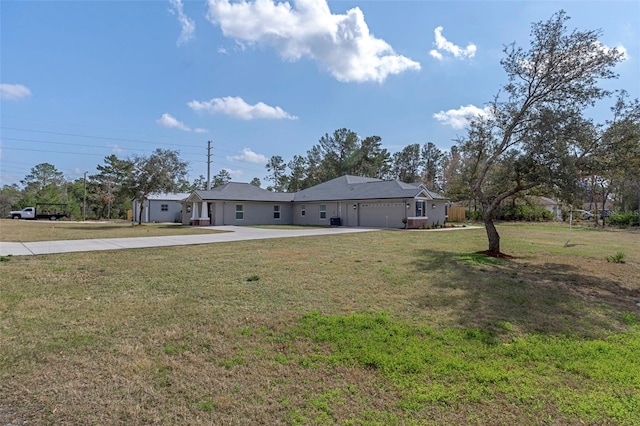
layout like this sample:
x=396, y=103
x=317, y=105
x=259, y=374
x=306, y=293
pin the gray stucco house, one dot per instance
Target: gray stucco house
x=160, y=208
x=347, y=201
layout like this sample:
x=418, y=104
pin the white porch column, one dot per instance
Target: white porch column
x=194, y=210
x=204, y=214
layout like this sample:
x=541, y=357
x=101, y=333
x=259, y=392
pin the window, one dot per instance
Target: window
x=239, y=212
x=303, y=210
x=164, y=207
x=276, y=212
x=420, y=208
x=323, y=211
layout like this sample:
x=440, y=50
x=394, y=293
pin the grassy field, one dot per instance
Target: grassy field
x=43, y=230
x=380, y=328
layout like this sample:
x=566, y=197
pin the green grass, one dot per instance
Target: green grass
x=381, y=328
x=473, y=367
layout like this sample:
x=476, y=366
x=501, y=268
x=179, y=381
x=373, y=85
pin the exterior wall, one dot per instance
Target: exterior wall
x=186, y=213
x=312, y=213
x=367, y=213
x=438, y=214
x=555, y=210
x=255, y=213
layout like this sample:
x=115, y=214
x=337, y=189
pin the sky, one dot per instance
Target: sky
x=82, y=80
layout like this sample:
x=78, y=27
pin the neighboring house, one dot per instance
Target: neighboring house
x=552, y=206
x=160, y=208
x=347, y=201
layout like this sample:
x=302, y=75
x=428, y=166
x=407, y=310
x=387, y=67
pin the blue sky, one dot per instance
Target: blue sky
x=81, y=80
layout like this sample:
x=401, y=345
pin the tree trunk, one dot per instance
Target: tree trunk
x=140, y=214
x=492, y=233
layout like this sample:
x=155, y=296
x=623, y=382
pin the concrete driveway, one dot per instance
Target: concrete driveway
x=237, y=233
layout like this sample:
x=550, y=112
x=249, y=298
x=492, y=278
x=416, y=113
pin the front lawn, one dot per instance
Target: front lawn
x=43, y=230
x=380, y=328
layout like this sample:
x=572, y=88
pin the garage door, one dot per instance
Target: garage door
x=381, y=215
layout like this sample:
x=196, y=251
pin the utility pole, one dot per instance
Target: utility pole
x=208, y=165
x=84, y=199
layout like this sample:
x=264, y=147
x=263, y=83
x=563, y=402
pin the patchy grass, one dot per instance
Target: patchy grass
x=41, y=230
x=374, y=328
x=467, y=368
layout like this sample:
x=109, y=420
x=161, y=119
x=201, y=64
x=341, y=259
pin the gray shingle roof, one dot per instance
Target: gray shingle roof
x=234, y=191
x=345, y=187
x=361, y=188
x=178, y=196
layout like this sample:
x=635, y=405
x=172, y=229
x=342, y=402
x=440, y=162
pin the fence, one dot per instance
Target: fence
x=457, y=214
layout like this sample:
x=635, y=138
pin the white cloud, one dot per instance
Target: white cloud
x=222, y=51
x=116, y=149
x=200, y=130
x=459, y=118
x=250, y=157
x=187, y=24
x=606, y=49
x=167, y=120
x=235, y=106
x=341, y=43
x=14, y=92
x=235, y=174
x=444, y=45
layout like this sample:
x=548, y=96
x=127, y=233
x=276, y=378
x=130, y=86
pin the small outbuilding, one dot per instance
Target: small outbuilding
x=160, y=208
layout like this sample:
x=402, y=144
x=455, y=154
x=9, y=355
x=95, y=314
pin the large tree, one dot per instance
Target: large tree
x=340, y=152
x=44, y=184
x=298, y=174
x=371, y=159
x=407, y=164
x=106, y=188
x=9, y=196
x=432, y=160
x=222, y=178
x=277, y=169
x=535, y=118
x=614, y=163
x=159, y=172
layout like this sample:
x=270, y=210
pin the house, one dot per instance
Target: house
x=160, y=208
x=347, y=201
x=552, y=206
x=237, y=204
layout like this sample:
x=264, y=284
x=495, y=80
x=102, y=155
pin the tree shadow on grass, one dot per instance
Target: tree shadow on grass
x=517, y=295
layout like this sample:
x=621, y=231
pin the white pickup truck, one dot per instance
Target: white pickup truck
x=41, y=211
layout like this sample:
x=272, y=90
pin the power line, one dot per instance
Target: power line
x=100, y=147
x=107, y=138
x=93, y=136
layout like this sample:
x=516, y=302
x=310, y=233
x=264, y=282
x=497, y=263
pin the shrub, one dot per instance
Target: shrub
x=616, y=258
x=525, y=212
x=624, y=219
x=474, y=215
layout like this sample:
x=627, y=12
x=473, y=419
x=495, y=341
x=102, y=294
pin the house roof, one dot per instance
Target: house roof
x=546, y=201
x=345, y=187
x=362, y=188
x=178, y=196
x=236, y=191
